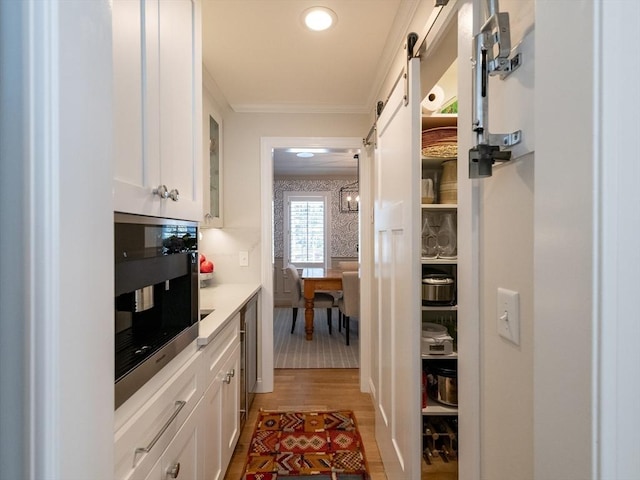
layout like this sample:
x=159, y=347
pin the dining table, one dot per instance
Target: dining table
x=317, y=279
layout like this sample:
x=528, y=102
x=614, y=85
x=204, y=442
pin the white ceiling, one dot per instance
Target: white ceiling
x=336, y=162
x=264, y=60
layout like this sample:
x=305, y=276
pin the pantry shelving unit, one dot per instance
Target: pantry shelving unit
x=439, y=420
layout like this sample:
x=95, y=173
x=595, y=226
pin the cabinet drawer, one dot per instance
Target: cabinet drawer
x=156, y=423
x=215, y=353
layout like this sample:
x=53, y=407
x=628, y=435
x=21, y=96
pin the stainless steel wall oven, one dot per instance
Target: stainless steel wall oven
x=156, y=296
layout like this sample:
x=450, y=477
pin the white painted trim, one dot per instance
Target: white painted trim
x=43, y=191
x=286, y=108
x=68, y=229
x=469, y=325
x=616, y=230
x=267, y=145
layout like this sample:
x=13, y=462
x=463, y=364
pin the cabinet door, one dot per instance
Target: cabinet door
x=230, y=406
x=397, y=258
x=136, y=166
x=212, y=431
x=221, y=418
x=212, y=159
x=180, y=94
x=157, y=61
x=182, y=458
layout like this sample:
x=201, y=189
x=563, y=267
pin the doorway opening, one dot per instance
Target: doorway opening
x=286, y=177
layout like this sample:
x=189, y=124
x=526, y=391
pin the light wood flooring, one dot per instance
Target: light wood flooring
x=326, y=389
x=314, y=389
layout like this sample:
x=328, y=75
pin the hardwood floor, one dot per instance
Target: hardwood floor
x=314, y=389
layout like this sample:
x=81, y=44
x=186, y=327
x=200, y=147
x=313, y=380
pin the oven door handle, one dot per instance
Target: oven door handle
x=180, y=404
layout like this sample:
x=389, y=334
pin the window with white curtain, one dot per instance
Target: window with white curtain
x=307, y=228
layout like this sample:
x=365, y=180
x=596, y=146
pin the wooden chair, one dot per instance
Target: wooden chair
x=320, y=300
x=349, y=304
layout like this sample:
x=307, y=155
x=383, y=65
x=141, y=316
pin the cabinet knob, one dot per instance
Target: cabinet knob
x=174, y=470
x=229, y=376
x=174, y=195
x=161, y=191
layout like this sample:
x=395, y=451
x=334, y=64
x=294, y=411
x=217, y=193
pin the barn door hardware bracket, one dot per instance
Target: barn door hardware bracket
x=491, y=57
x=372, y=131
x=505, y=140
x=496, y=37
x=412, y=40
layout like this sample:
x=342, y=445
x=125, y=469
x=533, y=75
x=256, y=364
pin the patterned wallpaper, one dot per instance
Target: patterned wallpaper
x=344, y=226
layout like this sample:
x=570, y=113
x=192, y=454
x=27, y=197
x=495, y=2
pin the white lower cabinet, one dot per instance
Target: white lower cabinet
x=183, y=457
x=220, y=418
x=147, y=432
x=189, y=428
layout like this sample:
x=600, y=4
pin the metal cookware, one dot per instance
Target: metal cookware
x=438, y=289
x=445, y=380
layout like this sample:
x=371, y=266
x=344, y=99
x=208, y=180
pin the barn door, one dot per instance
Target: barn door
x=395, y=339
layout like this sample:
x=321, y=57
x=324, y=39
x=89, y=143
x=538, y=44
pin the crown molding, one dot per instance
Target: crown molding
x=291, y=108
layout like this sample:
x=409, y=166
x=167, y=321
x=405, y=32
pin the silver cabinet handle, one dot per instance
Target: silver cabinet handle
x=174, y=470
x=162, y=191
x=229, y=376
x=180, y=404
x=174, y=195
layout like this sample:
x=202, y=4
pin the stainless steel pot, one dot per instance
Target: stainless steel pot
x=438, y=289
x=447, y=385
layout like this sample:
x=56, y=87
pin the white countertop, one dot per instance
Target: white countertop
x=225, y=300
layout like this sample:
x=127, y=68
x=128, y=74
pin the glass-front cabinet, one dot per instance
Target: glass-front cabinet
x=212, y=166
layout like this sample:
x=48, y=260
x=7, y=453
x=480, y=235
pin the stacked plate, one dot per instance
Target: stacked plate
x=441, y=142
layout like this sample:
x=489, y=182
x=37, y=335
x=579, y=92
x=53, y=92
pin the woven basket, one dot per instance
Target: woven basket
x=439, y=134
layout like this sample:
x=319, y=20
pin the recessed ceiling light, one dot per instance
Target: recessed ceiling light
x=319, y=18
x=304, y=154
x=309, y=150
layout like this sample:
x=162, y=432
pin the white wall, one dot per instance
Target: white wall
x=62, y=241
x=242, y=206
x=506, y=260
x=564, y=206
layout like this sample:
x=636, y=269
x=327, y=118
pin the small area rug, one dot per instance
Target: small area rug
x=300, y=445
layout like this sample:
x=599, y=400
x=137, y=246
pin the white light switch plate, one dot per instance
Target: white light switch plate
x=244, y=258
x=508, y=315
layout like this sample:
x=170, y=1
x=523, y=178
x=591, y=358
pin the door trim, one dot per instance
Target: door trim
x=267, y=145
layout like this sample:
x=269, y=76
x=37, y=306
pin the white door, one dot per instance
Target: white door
x=397, y=277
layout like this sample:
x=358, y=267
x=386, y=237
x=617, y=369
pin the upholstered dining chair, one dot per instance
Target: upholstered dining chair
x=349, y=265
x=349, y=304
x=320, y=300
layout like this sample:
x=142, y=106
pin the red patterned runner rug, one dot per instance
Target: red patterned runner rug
x=299, y=445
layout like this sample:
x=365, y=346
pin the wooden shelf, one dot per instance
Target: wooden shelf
x=431, y=356
x=436, y=261
x=439, y=206
x=439, y=409
x=439, y=308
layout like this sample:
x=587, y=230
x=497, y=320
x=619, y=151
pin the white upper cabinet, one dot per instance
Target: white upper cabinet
x=157, y=108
